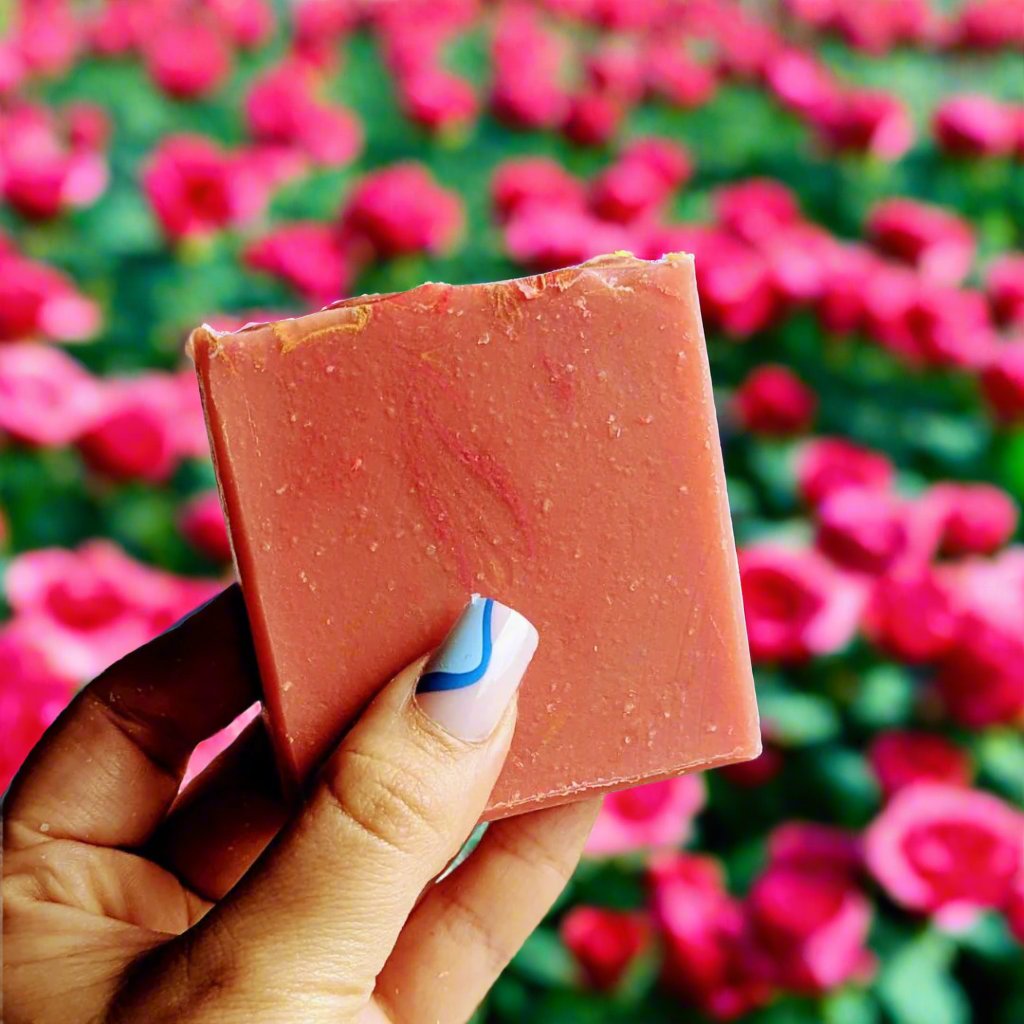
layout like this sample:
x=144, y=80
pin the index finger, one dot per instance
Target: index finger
x=109, y=768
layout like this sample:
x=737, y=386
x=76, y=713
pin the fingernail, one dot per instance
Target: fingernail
x=470, y=679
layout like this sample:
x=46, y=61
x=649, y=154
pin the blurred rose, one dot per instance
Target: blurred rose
x=535, y=179
x=912, y=616
x=758, y=772
x=401, y=209
x=46, y=397
x=131, y=436
x=676, y=77
x=594, y=118
x=32, y=691
x=946, y=850
x=197, y=188
x=865, y=530
x=311, y=257
x=938, y=243
x=202, y=525
x=796, y=604
x=841, y=302
x=641, y=180
x=866, y=121
x=187, y=56
x=977, y=519
x=47, y=36
x=705, y=934
x=37, y=301
x=828, y=464
x=990, y=24
x=1015, y=909
x=802, y=83
x=604, y=943
x=975, y=125
x=773, y=400
x=756, y=208
x=810, y=928
x=657, y=814
x=527, y=61
x=902, y=758
x=1002, y=381
x=543, y=237
x=981, y=678
x=96, y=602
x=437, y=99
x=1004, y=284
x=248, y=23
x=813, y=846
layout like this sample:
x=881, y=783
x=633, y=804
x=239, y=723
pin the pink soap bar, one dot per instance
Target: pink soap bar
x=550, y=442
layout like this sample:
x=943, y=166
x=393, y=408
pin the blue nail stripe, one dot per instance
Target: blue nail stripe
x=435, y=681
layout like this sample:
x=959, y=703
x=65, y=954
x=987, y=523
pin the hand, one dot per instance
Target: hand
x=126, y=903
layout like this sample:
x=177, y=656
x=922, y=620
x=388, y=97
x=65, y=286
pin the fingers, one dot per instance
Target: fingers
x=308, y=930
x=108, y=770
x=225, y=818
x=471, y=924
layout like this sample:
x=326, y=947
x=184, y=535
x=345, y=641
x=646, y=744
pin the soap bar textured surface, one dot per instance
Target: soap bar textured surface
x=550, y=442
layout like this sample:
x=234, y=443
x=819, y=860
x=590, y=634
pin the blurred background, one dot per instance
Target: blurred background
x=850, y=175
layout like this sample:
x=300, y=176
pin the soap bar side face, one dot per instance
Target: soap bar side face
x=551, y=443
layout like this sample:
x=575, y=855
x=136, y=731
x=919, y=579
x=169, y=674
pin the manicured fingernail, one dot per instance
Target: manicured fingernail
x=470, y=679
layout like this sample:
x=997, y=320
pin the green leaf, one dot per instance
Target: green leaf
x=850, y=1006
x=799, y=719
x=884, y=698
x=544, y=960
x=1001, y=759
x=916, y=986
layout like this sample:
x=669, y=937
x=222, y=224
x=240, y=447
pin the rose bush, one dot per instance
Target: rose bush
x=850, y=177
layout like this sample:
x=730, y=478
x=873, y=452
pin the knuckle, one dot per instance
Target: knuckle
x=470, y=928
x=384, y=800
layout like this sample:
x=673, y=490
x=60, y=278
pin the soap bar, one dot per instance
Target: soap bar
x=550, y=442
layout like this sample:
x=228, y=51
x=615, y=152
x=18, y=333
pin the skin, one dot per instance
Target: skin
x=125, y=902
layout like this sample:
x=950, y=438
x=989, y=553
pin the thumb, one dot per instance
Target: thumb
x=306, y=932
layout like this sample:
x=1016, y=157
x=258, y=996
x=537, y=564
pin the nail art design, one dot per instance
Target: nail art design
x=472, y=676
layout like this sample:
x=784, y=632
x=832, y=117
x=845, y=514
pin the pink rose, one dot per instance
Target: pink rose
x=981, y=678
x=797, y=606
x=32, y=691
x=938, y=243
x=863, y=530
x=46, y=398
x=676, y=77
x=641, y=180
x=866, y=121
x=594, y=118
x=187, y=56
x=990, y=24
x=248, y=23
x=311, y=257
x=802, y=83
x=657, y=814
x=705, y=934
x=946, y=850
x=737, y=292
x=800, y=260
x=543, y=237
x=616, y=69
x=773, y=400
x=827, y=464
x=758, y=772
x=197, y=188
x=841, y=302
x=37, y=301
x=807, y=845
x=1004, y=285
x=977, y=519
x=605, y=943
x=950, y=326
x=810, y=928
x=975, y=125
x=97, y=603
x=437, y=99
x=900, y=759
x=756, y=208
x=1002, y=381
x=912, y=615
x=535, y=179
x=202, y=525
x=131, y=437
x=1014, y=909
x=401, y=209
x=48, y=36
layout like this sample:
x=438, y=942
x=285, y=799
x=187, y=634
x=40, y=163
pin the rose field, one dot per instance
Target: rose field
x=850, y=177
